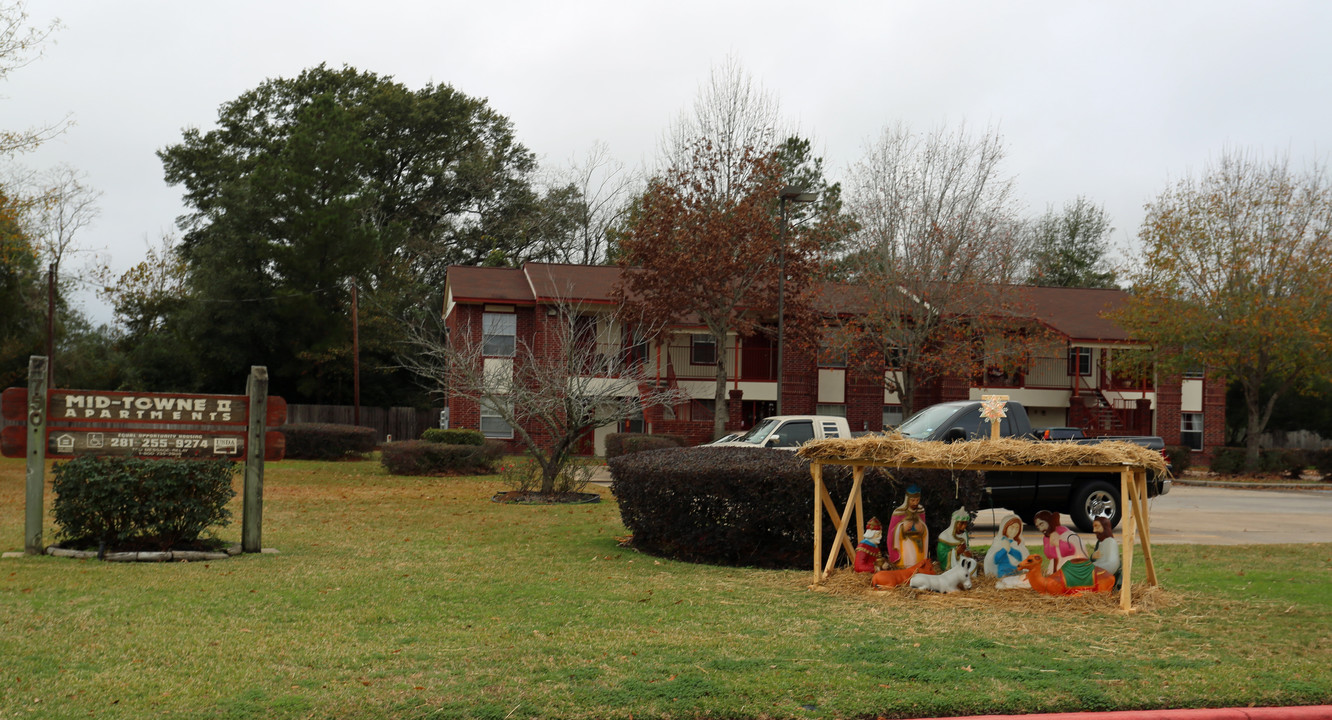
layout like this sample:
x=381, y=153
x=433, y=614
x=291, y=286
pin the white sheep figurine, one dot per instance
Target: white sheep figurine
x=953, y=579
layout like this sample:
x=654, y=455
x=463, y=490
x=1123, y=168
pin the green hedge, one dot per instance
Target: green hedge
x=419, y=457
x=1180, y=457
x=618, y=444
x=752, y=506
x=327, y=441
x=1322, y=462
x=454, y=436
x=131, y=504
x=1289, y=462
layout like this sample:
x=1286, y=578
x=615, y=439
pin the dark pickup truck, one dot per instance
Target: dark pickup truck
x=1082, y=496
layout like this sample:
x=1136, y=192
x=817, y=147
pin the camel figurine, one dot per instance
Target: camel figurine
x=893, y=578
x=1053, y=584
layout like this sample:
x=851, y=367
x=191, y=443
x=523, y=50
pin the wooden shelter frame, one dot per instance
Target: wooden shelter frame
x=1132, y=493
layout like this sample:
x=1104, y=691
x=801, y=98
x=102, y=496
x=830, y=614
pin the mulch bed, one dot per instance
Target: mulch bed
x=540, y=498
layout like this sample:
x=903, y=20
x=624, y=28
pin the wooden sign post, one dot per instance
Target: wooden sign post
x=36, y=454
x=252, y=509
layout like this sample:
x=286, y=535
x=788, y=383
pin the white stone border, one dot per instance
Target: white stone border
x=167, y=556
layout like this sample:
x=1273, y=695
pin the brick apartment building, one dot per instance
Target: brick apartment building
x=1068, y=382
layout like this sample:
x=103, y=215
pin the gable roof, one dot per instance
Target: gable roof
x=1075, y=313
x=1078, y=312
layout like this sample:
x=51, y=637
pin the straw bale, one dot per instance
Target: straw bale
x=897, y=451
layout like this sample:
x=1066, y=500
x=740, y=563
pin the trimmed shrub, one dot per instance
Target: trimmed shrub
x=618, y=444
x=1227, y=461
x=131, y=504
x=751, y=506
x=419, y=457
x=454, y=436
x=327, y=441
x=524, y=475
x=1289, y=462
x=1180, y=458
x=1322, y=462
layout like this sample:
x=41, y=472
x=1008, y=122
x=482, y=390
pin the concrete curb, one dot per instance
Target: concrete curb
x=1302, y=712
x=1312, y=487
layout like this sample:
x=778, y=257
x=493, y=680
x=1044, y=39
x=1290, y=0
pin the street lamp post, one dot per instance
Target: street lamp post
x=789, y=193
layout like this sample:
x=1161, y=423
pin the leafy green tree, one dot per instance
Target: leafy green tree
x=1071, y=247
x=1236, y=278
x=335, y=177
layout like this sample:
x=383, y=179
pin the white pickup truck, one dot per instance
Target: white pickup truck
x=789, y=432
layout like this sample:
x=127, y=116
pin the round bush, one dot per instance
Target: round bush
x=754, y=506
x=327, y=441
x=133, y=504
x=419, y=457
x=454, y=436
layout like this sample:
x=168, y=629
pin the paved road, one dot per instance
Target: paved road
x=1226, y=516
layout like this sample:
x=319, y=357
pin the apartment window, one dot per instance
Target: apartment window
x=1195, y=374
x=892, y=416
x=834, y=410
x=702, y=350
x=493, y=424
x=498, y=334
x=1191, y=431
x=893, y=359
x=1079, y=361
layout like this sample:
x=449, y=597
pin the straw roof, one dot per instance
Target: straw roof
x=896, y=451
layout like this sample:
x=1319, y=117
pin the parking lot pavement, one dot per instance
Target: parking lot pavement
x=1222, y=516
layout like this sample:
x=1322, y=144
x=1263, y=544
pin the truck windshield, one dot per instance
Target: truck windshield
x=759, y=432
x=923, y=423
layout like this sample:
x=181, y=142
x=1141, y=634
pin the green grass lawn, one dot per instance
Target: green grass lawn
x=399, y=597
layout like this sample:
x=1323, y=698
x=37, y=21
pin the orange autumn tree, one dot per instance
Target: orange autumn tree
x=1236, y=278
x=704, y=245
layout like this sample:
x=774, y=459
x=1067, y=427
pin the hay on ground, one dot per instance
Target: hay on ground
x=984, y=595
x=894, y=450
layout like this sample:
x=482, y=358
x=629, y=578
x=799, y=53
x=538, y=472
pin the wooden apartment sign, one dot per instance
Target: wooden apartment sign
x=69, y=423
x=85, y=422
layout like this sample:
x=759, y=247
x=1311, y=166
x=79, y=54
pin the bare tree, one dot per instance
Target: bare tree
x=66, y=206
x=938, y=239
x=605, y=188
x=20, y=44
x=554, y=395
x=737, y=117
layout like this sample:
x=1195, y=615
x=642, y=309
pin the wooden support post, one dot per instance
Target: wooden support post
x=1143, y=523
x=252, y=509
x=858, y=475
x=35, y=508
x=816, y=469
x=836, y=516
x=1126, y=554
x=860, y=511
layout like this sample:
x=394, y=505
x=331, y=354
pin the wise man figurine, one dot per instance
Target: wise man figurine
x=908, y=538
x=869, y=558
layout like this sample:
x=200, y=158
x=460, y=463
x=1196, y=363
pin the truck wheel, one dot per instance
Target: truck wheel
x=1094, y=499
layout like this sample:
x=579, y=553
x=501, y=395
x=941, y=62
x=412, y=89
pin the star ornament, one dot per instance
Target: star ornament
x=992, y=407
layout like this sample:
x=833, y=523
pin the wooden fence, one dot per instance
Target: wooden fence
x=400, y=423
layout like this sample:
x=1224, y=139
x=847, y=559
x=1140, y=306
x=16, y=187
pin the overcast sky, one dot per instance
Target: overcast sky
x=1110, y=100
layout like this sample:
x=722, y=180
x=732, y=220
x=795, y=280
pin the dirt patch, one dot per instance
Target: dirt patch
x=540, y=498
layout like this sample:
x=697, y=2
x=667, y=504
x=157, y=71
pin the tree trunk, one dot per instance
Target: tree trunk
x=722, y=412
